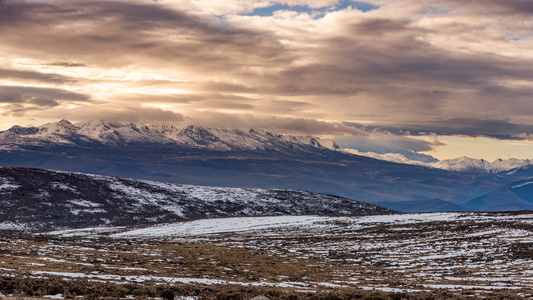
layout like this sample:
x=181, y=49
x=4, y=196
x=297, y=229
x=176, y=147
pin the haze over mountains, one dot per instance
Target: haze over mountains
x=253, y=158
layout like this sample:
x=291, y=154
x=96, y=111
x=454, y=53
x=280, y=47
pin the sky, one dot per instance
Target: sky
x=442, y=77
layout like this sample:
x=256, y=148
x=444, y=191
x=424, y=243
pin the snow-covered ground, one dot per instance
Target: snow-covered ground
x=224, y=225
x=452, y=251
x=472, y=253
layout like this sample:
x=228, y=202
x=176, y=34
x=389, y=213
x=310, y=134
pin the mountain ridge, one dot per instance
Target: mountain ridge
x=517, y=195
x=96, y=133
x=114, y=134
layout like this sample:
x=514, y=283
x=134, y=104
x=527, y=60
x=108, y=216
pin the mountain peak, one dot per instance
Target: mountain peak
x=64, y=123
x=62, y=127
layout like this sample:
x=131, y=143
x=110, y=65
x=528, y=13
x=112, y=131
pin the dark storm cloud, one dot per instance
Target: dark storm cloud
x=67, y=64
x=385, y=143
x=379, y=26
x=501, y=6
x=45, y=97
x=118, y=33
x=34, y=76
x=499, y=129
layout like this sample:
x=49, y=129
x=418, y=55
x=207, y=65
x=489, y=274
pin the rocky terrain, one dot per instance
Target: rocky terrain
x=409, y=256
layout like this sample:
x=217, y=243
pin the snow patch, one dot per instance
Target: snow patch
x=6, y=184
x=6, y=225
x=210, y=226
x=84, y=203
x=521, y=185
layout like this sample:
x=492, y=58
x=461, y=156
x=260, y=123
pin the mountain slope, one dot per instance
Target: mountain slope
x=424, y=206
x=515, y=196
x=48, y=200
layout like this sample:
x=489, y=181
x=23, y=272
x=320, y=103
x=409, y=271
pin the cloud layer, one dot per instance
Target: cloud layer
x=442, y=66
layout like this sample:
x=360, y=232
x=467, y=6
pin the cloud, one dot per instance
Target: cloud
x=498, y=129
x=32, y=76
x=121, y=33
x=239, y=6
x=277, y=124
x=105, y=112
x=45, y=97
x=385, y=142
x=443, y=66
x=67, y=64
x=148, y=115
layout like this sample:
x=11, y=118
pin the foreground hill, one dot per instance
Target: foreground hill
x=238, y=158
x=36, y=199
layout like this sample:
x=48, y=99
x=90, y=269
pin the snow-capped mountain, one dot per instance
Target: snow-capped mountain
x=45, y=200
x=392, y=157
x=461, y=164
x=467, y=164
x=116, y=134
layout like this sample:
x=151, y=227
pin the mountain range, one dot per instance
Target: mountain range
x=87, y=134
x=245, y=159
x=461, y=164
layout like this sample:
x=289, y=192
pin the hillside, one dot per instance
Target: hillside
x=515, y=196
x=35, y=199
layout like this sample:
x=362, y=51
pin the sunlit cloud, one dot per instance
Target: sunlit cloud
x=446, y=67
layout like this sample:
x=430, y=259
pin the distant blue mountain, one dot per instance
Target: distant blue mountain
x=515, y=196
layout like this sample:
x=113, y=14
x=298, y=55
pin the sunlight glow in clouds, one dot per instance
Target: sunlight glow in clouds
x=409, y=68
